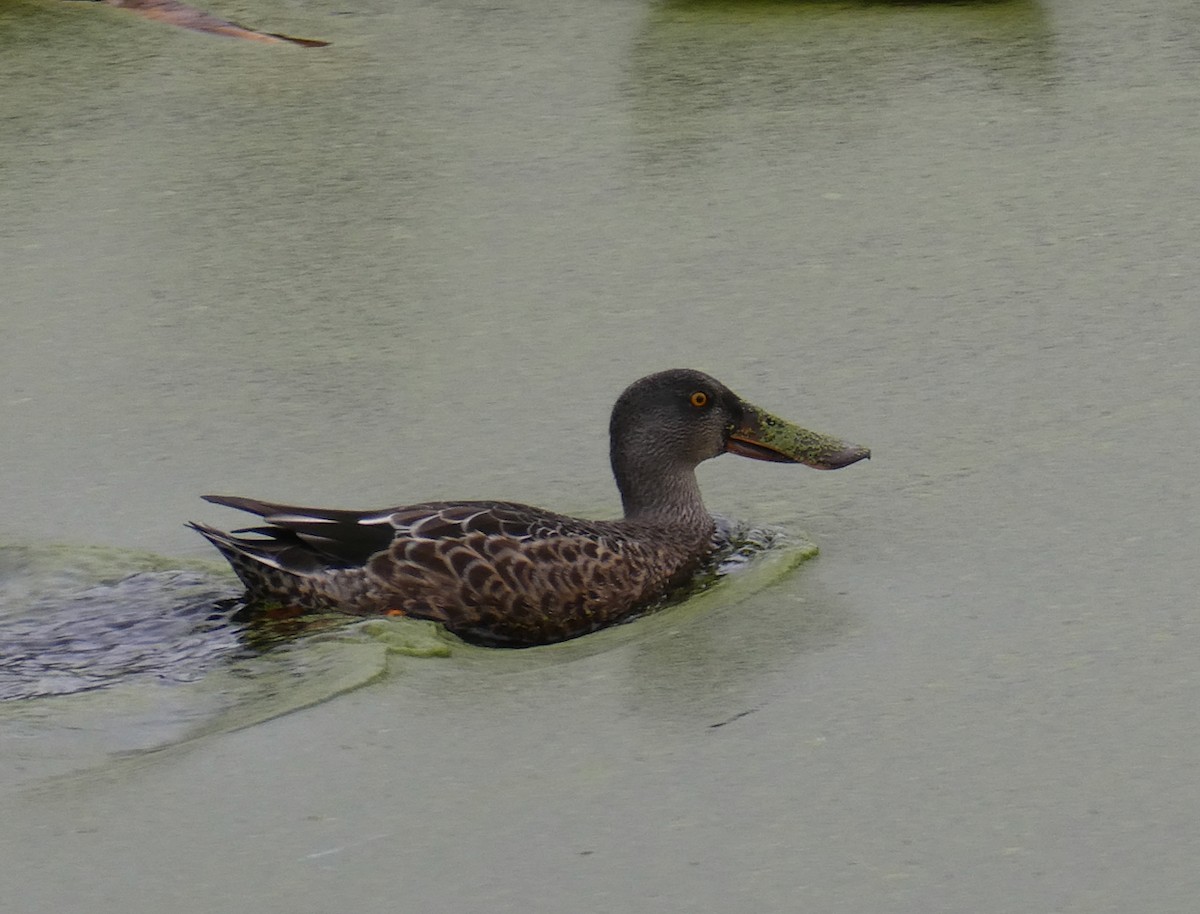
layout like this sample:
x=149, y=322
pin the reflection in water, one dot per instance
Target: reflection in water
x=106, y=651
x=128, y=655
x=77, y=620
x=801, y=75
x=85, y=625
x=171, y=624
x=695, y=665
x=747, y=558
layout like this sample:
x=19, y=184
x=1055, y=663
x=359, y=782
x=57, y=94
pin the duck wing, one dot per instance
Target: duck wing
x=350, y=538
x=497, y=573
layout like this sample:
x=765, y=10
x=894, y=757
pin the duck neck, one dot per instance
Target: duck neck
x=653, y=488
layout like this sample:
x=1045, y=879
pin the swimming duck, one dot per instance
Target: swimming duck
x=510, y=575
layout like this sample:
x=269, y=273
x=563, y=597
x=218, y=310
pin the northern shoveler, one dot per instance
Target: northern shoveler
x=506, y=574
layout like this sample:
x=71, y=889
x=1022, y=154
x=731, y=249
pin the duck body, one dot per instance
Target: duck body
x=494, y=573
x=511, y=575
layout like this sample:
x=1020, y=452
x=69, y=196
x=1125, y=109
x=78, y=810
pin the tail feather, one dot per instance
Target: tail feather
x=290, y=515
x=240, y=549
x=305, y=539
x=250, y=505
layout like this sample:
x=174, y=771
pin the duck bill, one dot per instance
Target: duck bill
x=762, y=436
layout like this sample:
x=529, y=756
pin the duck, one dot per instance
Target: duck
x=503, y=574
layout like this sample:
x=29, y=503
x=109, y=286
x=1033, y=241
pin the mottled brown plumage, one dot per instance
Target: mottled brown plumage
x=506, y=574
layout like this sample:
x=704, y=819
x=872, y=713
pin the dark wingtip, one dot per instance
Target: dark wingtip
x=241, y=503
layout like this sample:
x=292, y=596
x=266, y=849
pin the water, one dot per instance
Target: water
x=423, y=262
x=80, y=619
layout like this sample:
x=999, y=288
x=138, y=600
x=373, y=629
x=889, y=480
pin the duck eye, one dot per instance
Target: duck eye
x=699, y=399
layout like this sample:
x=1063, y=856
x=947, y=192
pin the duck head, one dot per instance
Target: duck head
x=665, y=424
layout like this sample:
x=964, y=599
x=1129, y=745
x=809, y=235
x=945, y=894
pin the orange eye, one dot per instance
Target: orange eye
x=699, y=399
